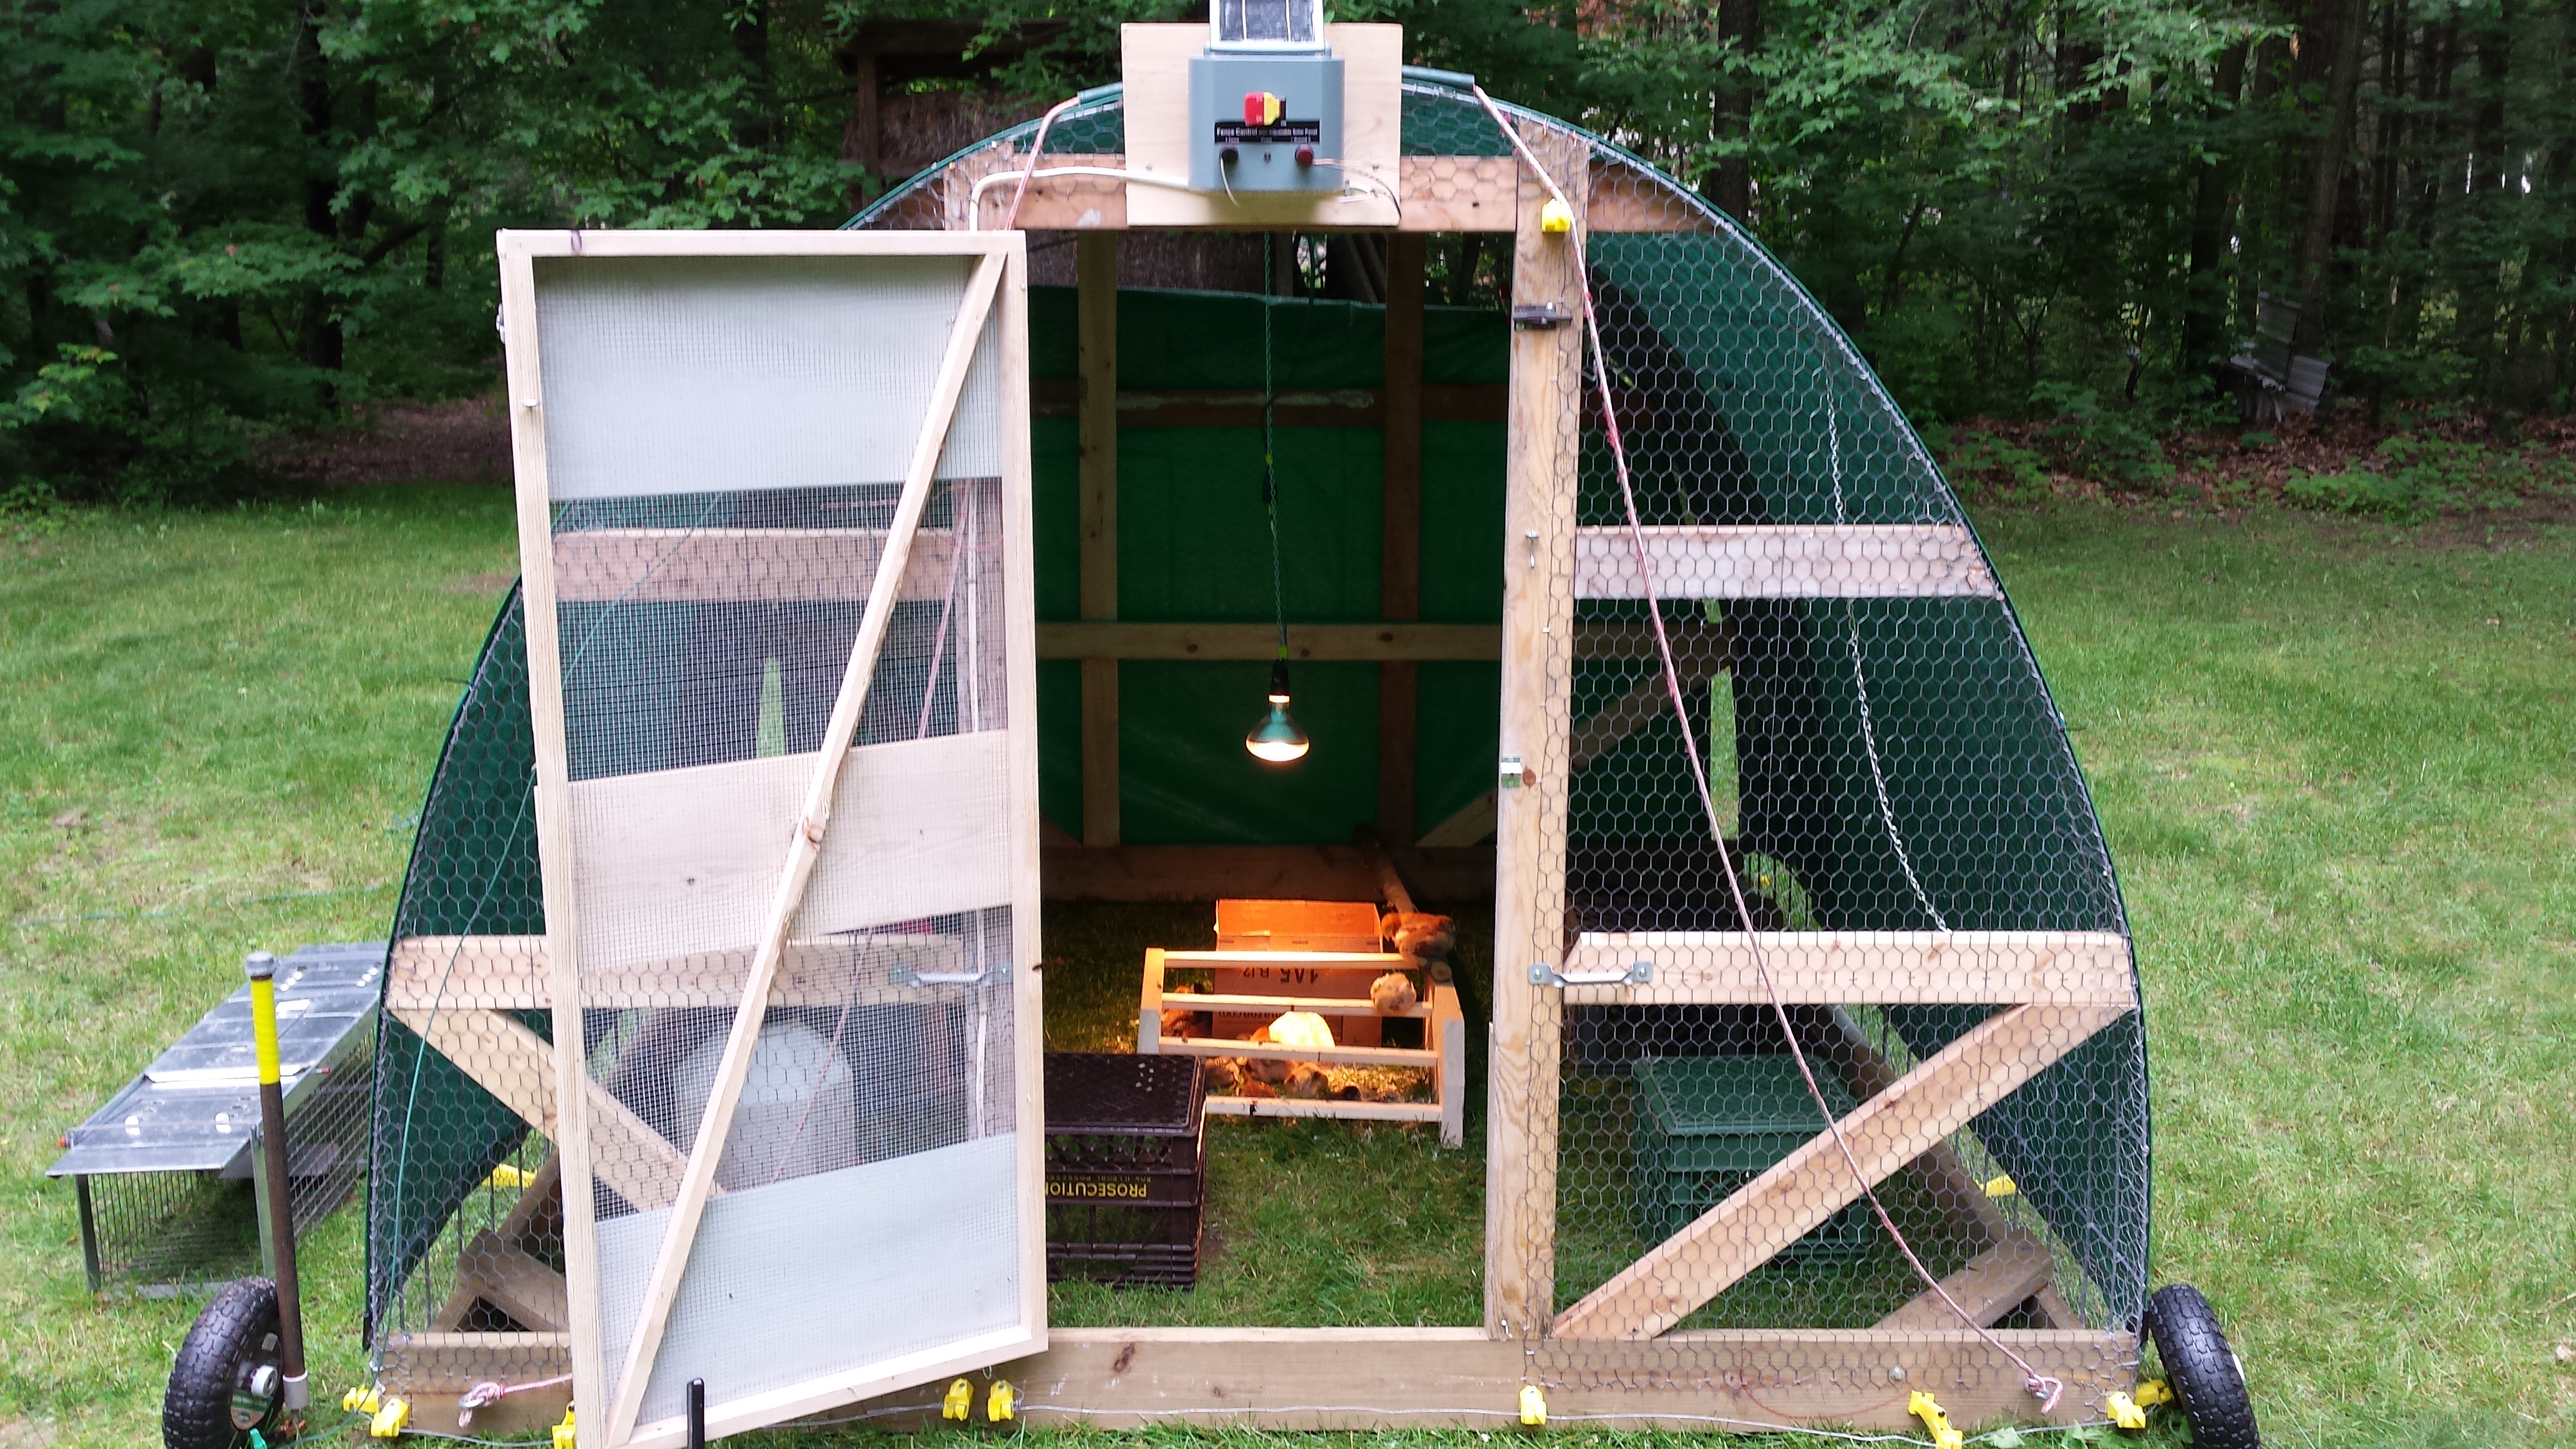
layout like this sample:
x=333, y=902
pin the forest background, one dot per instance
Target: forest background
x=2048, y=223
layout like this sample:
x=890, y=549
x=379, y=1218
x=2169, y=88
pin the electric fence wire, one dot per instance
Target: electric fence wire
x=2046, y=1387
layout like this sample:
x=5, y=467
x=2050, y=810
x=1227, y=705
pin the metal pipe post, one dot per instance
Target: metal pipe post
x=262, y=969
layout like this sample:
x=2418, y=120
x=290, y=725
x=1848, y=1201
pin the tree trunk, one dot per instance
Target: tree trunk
x=2204, y=336
x=2325, y=170
x=757, y=126
x=1729, y=184
x=324, y=345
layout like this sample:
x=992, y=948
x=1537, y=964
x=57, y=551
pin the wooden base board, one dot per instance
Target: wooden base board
x=1417, y=1378
x=1205, y=872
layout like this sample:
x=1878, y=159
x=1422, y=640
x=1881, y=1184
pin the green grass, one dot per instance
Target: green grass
x=2340, y=798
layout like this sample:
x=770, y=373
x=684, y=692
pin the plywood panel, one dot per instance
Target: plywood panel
x=685, y=861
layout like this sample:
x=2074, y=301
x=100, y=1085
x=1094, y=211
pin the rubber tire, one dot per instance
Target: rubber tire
x=2202, y=1369
x=196, y=1413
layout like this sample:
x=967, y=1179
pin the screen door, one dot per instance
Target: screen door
x=774, y=517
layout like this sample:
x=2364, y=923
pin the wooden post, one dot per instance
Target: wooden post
x=1096, y=326
x=1538, y=679
x=1400, y=561
x=526, y=403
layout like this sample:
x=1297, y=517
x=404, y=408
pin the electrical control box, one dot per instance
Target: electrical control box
x=1266, y=100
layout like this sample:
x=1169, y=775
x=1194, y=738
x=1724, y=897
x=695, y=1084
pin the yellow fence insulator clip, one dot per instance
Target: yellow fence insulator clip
x=1923, y=1406
x=2001, y=1185
x=506, y=1175
x=564, y=1436
x=2124, y=1410
x=960, y=1401
x=391, y=1418
x=1533, y=1406
x=2152, y=1392
x=360, y=1400
x=1555, y=218
x=998, y=1404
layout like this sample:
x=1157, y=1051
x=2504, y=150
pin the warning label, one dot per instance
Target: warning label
x=1283, y=133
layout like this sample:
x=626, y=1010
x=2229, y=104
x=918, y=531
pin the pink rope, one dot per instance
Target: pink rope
x=2046, y=1387
x=1011, y=218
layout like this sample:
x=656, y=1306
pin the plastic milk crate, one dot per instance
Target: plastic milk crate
x=1126, y=1167
x=1708, y=1125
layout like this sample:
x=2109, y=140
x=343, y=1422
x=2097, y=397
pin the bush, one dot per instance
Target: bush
x=2407, y=479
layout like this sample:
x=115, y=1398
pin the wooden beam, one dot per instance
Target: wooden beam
x=1428, y=1378
x=1216, y=1046
x=1782, y=561
x=1993, y=1283
x=1813, y=1183
x=1378, y=1379
x=1400, y=547
x=1885, y=968
x=1847, y=1049
x=552, y=793
x=1284, y=872
x=1096, y=346
x=1349, y=643
x=1541, y=479
x=1324, y=1107
x=1343, y=407
x=1440, y=194
x=1370, y=961
x=739, y=565
x=510, y=973
x=805, y=848
x=517, y=1067
x=491, y=1269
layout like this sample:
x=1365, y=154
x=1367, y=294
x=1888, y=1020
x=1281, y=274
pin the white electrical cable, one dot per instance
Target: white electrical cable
x=2047, y=1387
x=975, y=199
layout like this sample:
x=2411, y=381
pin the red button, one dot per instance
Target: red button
x=1254, y=107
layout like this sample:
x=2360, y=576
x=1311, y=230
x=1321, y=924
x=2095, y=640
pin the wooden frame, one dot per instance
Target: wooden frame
x=2056, y=989
x=597, y=1139
x=1444, y=1028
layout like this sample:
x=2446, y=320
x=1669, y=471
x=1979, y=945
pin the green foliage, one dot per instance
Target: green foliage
x=2106, y=443
x=2408, y=478
x=1989, y=466
x=246, y=217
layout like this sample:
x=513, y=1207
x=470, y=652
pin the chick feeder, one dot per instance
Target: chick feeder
x=715, y=1056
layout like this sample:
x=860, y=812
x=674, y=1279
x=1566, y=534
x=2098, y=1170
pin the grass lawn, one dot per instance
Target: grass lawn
x=2337, y=764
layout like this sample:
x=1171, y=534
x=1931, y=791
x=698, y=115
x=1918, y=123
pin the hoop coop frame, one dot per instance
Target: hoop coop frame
x=1815, y=1071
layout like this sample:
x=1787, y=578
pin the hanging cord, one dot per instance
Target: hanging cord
x=1860, y=681
x=1269, y=463
x=1037, y=147
x=2047, y=1388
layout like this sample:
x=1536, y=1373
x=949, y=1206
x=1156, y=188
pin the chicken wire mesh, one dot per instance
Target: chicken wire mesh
x=709, y=601
x=1886, y=771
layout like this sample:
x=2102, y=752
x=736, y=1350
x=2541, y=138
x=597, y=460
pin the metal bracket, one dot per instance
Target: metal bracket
x=1540, y=316
x=1637, y=973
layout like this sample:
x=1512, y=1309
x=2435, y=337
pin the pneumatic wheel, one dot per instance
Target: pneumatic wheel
x=2204, y=1371
x=227, y=1380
